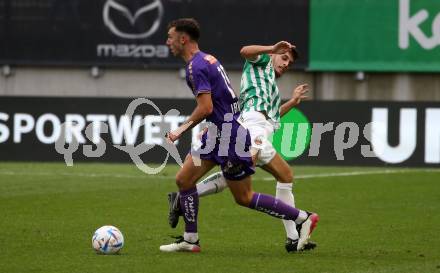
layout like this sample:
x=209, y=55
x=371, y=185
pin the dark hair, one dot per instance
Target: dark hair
x=187, y=25
x=295, y=54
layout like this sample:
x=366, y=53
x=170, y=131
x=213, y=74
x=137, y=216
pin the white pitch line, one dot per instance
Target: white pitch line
x=358, y=173
x=73, y=174
x=125, y=176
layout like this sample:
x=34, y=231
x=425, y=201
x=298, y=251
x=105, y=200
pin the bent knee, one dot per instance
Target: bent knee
x=183, y=182
x=286, y=177
x=244, y=200
x=179, y=182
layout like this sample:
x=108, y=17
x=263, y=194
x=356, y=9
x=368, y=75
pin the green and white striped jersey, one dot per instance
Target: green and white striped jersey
x=258, y=90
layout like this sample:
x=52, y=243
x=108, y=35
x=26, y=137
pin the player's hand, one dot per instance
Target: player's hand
x=171, y=137
x=299, y=93
x=282, y=47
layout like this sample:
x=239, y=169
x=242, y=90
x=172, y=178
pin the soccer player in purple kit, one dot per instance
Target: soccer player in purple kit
x=261, y=110
x=217, y=103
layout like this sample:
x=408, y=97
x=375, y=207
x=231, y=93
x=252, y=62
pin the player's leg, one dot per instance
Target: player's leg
x=245, y=196
x=186, y=179
x=216, y=183
x=277, y=166
x=268, y=159
x=212, y=184
x=283, y=174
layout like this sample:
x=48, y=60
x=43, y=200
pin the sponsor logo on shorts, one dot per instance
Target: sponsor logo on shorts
x=258, y=140
x=235, y=170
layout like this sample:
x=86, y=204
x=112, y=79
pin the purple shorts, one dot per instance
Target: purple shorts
x=229, y=149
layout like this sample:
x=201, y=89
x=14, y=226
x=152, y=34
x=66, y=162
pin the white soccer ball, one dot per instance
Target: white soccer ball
x=107, y=240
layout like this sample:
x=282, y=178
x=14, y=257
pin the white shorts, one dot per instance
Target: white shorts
x=260, y=130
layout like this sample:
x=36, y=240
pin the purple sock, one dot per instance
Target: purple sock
x=274, y=207
x=189, y=202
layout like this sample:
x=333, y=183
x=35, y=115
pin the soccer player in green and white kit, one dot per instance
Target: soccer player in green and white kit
x=261, y=110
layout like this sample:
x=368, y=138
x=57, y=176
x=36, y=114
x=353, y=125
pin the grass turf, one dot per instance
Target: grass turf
x=370, y=222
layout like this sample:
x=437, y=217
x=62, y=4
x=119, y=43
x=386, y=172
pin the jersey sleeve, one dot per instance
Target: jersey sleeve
x=199, y=77
x=262, y=60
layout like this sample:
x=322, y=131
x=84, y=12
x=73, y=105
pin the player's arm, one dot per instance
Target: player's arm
x=251, y=52
x=298, y=94
x=203, y=109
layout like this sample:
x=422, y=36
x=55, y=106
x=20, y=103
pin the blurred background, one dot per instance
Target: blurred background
x=360, y=58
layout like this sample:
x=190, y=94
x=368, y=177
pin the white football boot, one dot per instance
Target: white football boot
x=306, y=229
x=180, y=245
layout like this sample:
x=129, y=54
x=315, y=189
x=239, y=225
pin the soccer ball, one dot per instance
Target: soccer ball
x=107, y=240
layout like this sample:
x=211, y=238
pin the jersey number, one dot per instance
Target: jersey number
x=227, y=81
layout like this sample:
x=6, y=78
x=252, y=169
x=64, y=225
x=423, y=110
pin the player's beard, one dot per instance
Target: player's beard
x=178, y=51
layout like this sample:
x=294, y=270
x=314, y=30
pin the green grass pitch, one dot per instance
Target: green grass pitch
x=371, y=221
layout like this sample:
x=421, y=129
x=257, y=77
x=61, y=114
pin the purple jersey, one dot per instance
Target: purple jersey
x=205, y=74
x=230, y=150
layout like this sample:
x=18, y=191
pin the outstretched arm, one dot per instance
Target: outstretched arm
x=203, y=109
x=298, y=94
x=251, y=52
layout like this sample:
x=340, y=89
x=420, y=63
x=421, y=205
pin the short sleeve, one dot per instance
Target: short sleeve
x=199, y=79
x=262, y=60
